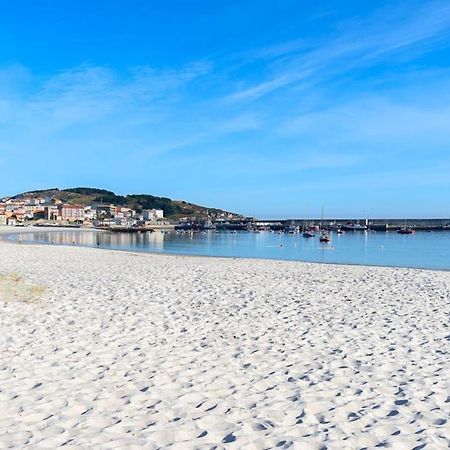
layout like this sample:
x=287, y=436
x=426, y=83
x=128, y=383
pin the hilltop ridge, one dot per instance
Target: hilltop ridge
x=85, y=196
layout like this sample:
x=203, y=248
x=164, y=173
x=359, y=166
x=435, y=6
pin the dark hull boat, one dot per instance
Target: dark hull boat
x=324, y=237
x=405, y=230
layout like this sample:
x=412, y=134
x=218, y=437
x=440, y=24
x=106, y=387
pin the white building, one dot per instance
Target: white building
x=152, y=214
x=90, y=213
x=125, y=221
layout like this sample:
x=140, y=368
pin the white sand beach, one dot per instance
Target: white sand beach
x=103, y=349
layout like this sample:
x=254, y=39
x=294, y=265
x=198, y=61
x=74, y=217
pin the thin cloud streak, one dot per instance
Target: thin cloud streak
x=364, y=44
x=372, y=120
x=97, y=109
x=362, y=106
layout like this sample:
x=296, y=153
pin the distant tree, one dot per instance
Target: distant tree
x=89, y=191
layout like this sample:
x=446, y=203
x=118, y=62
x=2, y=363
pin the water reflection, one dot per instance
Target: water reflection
x=427, y=250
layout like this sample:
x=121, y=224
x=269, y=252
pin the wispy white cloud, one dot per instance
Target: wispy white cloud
x=276, y=50
x=343, y=113
x=361, y=43
x=261, y=89
x=263, y=165
x=205, y=131
x=374, y=120
x=94, y=110
x=363, y=181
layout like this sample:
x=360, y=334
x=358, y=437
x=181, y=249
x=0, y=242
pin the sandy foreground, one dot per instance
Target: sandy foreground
x=103, y=349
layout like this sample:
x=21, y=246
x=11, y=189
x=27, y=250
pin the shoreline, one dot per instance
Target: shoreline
x=143, y=252
x=118, y=349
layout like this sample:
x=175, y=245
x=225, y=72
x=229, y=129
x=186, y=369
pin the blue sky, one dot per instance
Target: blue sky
x=266, y=108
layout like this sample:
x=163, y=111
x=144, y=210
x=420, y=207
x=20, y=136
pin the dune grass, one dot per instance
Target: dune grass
x=14, y=288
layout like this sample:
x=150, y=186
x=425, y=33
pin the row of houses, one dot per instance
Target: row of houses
x=19, y=211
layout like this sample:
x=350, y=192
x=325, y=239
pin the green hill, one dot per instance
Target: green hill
x=87, y=196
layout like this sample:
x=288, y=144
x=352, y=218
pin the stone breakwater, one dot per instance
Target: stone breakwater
x=118, y=350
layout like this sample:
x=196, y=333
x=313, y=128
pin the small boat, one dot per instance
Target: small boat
x=324, y=237
x=354, y=227
x=405, y=229
x=293, y=229
x=339, y=231
x=307, y=232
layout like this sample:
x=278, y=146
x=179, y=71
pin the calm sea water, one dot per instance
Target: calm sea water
x=422, y=249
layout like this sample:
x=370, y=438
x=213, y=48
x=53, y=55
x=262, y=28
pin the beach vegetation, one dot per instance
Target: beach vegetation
x=13, y=287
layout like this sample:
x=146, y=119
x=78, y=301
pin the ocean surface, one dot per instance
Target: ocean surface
x=420, y=250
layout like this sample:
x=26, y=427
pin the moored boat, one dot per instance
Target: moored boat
x=292, y=229
x=307, y=231
x=354, y=227
x=324, y=237
x=405, y=230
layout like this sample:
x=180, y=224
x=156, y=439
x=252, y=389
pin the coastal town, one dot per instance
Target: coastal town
x=53, y=211
x=45, y=209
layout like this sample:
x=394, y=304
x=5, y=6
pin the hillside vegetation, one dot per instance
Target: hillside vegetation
x=88, y=196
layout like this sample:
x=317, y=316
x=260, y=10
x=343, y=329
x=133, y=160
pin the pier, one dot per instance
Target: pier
x=344, y=223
